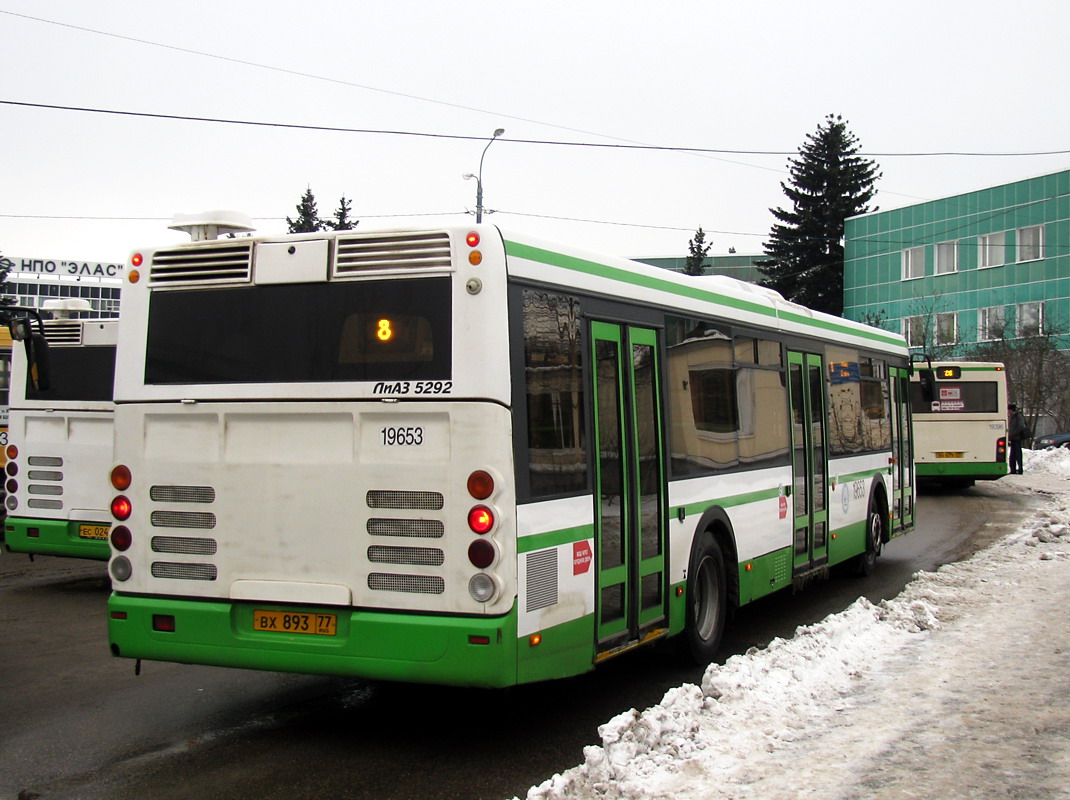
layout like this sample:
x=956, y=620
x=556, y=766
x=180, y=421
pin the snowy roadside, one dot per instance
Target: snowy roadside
x=956, y=688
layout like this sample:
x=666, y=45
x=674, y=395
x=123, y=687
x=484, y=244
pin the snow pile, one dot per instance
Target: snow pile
x=1054, y=462
x=711, y=741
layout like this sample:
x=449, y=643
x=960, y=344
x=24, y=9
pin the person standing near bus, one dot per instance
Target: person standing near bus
x=1016, y=431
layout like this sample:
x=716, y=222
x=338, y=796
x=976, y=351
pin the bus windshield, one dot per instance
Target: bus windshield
x=292, y=333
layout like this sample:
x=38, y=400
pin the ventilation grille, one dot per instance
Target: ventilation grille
x=184, y=544
x=45, y=461
x=42, y=483
x=214, y=263
x=63, y=331
x=425, y=501
x=412, y=584
x=182, y=519
x=184, y=572
x=182, y=494
x=412, y=528
x=361, y=254
x=542, y=579
x=423, y=556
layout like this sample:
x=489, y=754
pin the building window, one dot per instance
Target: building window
x=1030, y=319
x=947, y=257
x=991, y=322
x=993, y=251
x=1030, y=242
x=913, y=263
x=914, y=331
x=945, y=329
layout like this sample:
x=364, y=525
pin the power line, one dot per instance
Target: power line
x=461, y=137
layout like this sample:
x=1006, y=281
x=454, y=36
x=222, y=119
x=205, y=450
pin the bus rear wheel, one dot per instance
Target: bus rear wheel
x=707, y=598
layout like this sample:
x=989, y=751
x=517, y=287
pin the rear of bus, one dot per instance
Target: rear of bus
x=960, y=421
x=313, y=457
x=59, y=447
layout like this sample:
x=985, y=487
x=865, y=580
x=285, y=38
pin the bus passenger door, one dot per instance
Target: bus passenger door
x=809, y=460
x=630, y=480
x=902, y=466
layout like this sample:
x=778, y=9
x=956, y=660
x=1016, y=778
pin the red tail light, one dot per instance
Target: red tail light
x=121, y=538
x=480, y=519
x=481, y=553
x=1001, y=450
x=12, y=452
x=121, y=508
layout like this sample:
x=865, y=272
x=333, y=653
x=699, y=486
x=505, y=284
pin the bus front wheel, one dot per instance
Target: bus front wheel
x=706, y=599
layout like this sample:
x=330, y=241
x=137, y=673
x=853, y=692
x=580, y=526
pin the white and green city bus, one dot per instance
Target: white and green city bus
x=464, y=456
x=960, y=421
x=59, y=449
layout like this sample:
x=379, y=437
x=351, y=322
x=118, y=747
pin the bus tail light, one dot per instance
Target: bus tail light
x=121, y=569
x=1001, y=450
x=480, y=519
x=12, y=452
x=482, y=587
x=481, y=553
x=121, y=478
x=121, y=538
x=121, y=508
x=480, y=484
x=163, y=622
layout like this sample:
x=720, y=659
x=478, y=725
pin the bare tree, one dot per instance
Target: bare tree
x=1038, y=373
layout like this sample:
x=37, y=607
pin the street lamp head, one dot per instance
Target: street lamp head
x=468, y=176
x=498, y=132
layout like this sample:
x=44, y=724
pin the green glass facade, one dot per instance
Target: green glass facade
x=989, y=264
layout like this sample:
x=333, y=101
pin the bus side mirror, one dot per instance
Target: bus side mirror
x=37, y=361
x=928, y=384
x=20, y=329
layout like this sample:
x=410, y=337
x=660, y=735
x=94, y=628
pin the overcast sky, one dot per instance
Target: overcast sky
x=909, y=77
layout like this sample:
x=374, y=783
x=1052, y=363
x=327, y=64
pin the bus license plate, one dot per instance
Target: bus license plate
x=949, y=454
x=93, y=531
x=295, y=622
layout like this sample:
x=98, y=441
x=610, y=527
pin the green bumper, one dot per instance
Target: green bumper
x=50, y=537
x=415, y=648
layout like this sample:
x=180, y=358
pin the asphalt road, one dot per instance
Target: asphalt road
x=77, y=723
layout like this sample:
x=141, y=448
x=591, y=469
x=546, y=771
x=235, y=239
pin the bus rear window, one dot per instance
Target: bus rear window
x=77, y=373
x=973, y=397
x=298, y=333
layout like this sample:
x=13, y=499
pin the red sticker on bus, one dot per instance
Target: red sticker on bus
x=783, y=506
x=581, y=557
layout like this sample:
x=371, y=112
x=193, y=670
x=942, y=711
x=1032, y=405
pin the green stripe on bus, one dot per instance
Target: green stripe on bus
x=729, y=502
x=861, y=476
x=540, y=541
x=575, y=264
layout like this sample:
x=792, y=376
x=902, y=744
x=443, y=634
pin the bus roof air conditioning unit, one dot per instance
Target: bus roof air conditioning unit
x=210, y=225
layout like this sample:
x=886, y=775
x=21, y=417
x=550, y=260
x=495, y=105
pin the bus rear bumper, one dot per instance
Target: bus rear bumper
x=52, y=537
x=961, y=470
x=416, y=648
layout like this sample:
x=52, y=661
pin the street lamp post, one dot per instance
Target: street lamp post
x=479, y=178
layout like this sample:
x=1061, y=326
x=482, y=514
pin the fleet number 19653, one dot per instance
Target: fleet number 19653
x=402, y=436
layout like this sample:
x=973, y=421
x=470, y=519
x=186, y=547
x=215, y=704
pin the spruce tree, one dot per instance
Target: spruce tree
x=342, y=221
x=828, y=183
x=308, y=218
x=698, y=252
